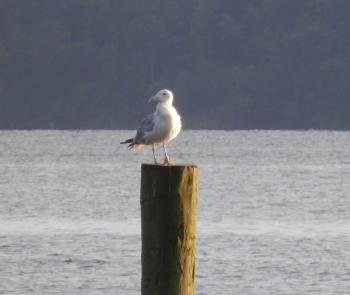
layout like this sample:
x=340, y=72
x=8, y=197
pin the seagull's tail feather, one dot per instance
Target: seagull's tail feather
x=130, y=140
x=132, y=144
x=135, y=146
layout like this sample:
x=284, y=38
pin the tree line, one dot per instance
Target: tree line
x=232, y=64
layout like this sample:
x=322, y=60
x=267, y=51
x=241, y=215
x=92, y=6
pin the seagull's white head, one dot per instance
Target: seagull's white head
x=163, y=95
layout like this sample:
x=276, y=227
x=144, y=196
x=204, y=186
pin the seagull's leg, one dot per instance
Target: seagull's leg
x=154, y=155
x=167, y=159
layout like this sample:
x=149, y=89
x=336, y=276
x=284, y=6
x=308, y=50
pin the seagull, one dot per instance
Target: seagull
x=160, y=127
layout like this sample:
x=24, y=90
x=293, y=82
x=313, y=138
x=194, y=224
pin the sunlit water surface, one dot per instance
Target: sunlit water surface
x=273, y=215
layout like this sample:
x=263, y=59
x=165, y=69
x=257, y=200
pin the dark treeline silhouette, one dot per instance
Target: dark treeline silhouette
x=233, y=64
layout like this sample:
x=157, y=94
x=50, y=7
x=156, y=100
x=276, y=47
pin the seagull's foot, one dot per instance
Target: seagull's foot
x=168, y=161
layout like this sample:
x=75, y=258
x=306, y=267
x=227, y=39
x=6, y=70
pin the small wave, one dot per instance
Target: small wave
x=62, y=227
x=293, y=230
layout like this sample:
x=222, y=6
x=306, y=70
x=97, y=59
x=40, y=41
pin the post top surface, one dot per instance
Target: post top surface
x=170, y=166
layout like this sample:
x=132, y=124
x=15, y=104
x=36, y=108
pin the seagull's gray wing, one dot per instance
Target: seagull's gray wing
x=147, y=125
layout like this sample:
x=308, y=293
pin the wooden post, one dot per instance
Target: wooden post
x=168, y=229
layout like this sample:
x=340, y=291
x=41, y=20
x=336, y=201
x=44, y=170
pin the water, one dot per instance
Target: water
x=274, y=212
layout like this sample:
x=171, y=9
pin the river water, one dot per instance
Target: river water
x=273, y=212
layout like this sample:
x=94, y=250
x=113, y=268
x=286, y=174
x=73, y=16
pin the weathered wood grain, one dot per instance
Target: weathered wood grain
x=168, y=216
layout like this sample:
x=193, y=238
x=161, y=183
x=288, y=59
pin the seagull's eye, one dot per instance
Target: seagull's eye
x=164, y=93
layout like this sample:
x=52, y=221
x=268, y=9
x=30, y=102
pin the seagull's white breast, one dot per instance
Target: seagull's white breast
x=167, y=125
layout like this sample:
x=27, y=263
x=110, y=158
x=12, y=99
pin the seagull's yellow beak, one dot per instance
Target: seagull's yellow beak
x=152, y=98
